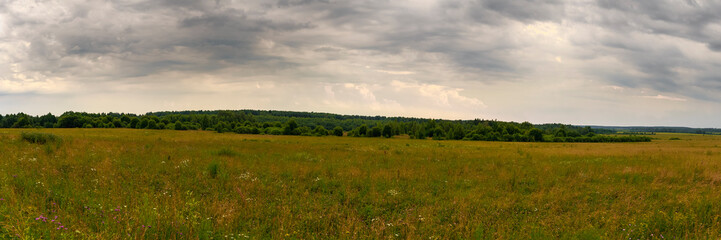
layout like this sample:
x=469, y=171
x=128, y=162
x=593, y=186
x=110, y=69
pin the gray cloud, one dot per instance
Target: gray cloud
x=689, y=19
x=649, y=48
x=525, y=10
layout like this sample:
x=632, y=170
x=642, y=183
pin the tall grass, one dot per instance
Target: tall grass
x=136, y=184
x=39, y=138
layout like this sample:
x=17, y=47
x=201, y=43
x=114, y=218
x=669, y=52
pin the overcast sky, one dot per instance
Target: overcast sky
x=606, y=62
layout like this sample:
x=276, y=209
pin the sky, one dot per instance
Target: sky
x=605, y=62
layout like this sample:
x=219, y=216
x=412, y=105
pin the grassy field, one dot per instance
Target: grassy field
x=161, y=184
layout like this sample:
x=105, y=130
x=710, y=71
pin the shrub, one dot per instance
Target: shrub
x=225, y=152
x=274, y=131
x=39, y=138
x=214, y=169
x=338, y=131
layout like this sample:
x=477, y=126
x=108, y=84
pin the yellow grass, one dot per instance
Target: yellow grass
x=113, y=183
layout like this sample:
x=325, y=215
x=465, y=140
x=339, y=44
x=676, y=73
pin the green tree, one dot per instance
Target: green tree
x=362, y=130
x=387, y=131
x=179, y=126
x=117, y=123
x=152, y=124
x=338, y=131
x=304, y=130
x=320, y=131
x=125, y=119
x=438, y=133
x=560, y=132
x=134, y=122
x=69, y=120
x=22, y=122
x=374, y=132
x=47, y=120
x=290, y=127
x=143, y=124
x=536, y=134
x=457, y=133
x=419, y=134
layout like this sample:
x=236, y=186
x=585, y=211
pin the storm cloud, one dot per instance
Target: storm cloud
x=584, y=62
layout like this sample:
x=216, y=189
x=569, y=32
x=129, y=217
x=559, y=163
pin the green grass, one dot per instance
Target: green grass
x=39, y=138
x=152, y=184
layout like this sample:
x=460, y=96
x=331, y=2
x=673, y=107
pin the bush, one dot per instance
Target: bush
x=39, y=138
x=226, y=152
x=214, y=169
x=338, y=131
x=274, y=131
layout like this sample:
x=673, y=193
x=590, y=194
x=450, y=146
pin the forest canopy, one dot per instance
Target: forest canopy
x=323, y=124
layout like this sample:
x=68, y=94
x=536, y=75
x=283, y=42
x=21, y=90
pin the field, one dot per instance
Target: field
x=162, y=184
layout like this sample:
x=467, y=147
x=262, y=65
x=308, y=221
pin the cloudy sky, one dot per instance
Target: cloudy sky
x=606, y=62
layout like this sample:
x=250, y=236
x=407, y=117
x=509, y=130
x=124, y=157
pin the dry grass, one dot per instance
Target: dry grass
x=114, y=183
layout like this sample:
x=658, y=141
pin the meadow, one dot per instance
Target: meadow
x=162, y=184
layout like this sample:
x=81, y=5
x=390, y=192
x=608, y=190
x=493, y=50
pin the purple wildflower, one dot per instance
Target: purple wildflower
x=41, y=217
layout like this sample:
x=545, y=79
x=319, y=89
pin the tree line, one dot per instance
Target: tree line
x=322, y=124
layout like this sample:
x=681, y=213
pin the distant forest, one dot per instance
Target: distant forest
x=323, y=124
x=652, y=130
